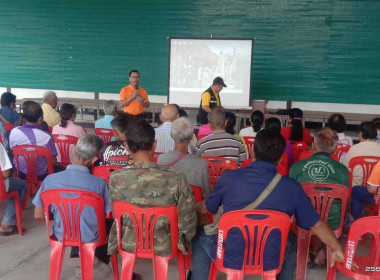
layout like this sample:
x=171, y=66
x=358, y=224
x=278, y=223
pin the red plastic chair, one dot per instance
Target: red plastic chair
x=50, y=129
x=305, y=154
x=199, y=137
x=245, y=163
x=216, y=167
x=255, y=226
x=105, y=171
x=16, y=200
x=321, y=199
x=197, y=193
x=8, y=126
x=144, y=220
x=366, y=162
x=155, y=156
x=63, y=143
x=30, y=154
x=104, y=133
x=249, y=141
x=298, y=148
x=368, y=265
x=71, y=229
x=341, y=149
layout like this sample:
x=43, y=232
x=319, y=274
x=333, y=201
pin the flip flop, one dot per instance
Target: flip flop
x=7, y=233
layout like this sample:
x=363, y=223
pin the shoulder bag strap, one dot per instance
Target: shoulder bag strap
x=176, y=160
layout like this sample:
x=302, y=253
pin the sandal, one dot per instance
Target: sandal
x=7, y=233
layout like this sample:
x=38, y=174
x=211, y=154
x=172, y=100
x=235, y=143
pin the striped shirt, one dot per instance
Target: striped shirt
x=221, y=144
x=165, y=142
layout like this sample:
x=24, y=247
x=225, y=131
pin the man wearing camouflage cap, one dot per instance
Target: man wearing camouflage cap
x=146, y=185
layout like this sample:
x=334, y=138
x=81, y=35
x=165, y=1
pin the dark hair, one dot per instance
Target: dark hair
x=140, y=135
x=231, y=122
x=376, y=121
x=132, y=71
x=120, y=122
x=296, y=133
x=337, y=122
x=273, y=124
x=7, y=98
x=181, y=112
x=269, y=145
x=32, y=112
x=66, y=112
x=257, y=119
x=368, y=130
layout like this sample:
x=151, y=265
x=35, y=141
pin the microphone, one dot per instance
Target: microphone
x=136, y=88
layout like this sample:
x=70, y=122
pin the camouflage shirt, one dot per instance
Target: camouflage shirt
x=147, y=185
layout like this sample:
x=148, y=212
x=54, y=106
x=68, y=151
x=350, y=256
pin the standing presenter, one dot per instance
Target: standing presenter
x=132, y=97
x=210, y=99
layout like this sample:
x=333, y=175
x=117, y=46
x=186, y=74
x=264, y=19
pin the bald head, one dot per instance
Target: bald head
x=169, y=113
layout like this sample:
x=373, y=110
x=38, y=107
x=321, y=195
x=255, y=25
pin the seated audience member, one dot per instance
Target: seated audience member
x=110, y=110
x=31, y=133
x=238, y=188
x=321, y=168
x=204, y=130
x=8, y=225
x=77, y=177
x=145, y=184
x=296, y=132
x=274, y=124
x=164, y=141
x=337, y=122
x=67, y=125
x=114, y=153
x=366, y=147
x=376, y=121
x=4, y=136
x=256, y=120
x=181, y=112
x=220, y=143
x=8, y=106
x=51, y=116
x=22, y=120
x=194, y=168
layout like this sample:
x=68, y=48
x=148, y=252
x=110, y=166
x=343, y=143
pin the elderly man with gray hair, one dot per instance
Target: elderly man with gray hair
x=110, y=110
x=51, y=116
x=164, y=141
x=77, y=176
x=194, y=168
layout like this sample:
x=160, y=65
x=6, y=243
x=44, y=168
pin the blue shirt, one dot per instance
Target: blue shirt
x=105, y=123
x=10, y=115
x=76, y=177
x=238, y=188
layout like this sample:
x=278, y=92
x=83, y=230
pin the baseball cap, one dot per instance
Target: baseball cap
x=219, y=80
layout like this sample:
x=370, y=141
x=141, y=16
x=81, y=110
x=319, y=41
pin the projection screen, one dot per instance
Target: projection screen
x=194, y=63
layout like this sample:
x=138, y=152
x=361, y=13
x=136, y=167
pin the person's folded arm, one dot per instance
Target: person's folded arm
x=7, y=173
x=39, y=214
x=372, y=189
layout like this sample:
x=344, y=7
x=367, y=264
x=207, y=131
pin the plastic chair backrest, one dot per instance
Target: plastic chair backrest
x=367, y=163
x=197, y=193
x=341, y=149
x=67, y=199
x=31, y=153
x=63, y=143
x=199, y=137
x=216, y=167
x=358, y=228
x=255, y=226
x=3, y=192
x=322, y=195
x=104, y=133
x=305, y=154
x=105, y=171
x=144, y=221
x=8, y=126
x=50, y=129
x=245, y=163
x=298, y=148
x=249, y=141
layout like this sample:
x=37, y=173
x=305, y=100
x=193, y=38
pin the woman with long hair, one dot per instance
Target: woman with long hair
x=67, y=125
x=295, y=132
x=257, y=121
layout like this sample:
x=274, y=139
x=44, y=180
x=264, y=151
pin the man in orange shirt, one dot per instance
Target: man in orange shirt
x=132, y=97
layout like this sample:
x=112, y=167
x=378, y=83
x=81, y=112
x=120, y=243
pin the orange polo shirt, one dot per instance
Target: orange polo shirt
x=135, y=107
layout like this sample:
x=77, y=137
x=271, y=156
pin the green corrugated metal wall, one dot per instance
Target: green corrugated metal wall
x=315, y=50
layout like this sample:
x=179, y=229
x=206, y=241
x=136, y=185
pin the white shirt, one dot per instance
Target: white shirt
x=248, y=131
x=345, y=139
x=5, y=164
x=165, y=142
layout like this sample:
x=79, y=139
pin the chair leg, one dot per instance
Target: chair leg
x=16, y=201
x=57, y=254
x=127, y=265
x=160, y=268
x=87, y=254
x=303, y=242
x=239, y=275
x=181, y=266
x=115, y=268
x=331, y=273
x=269, y=275
x=27, y=194
x=213, y=272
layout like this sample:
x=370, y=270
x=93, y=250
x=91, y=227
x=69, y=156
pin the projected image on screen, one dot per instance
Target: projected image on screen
x=194, y=63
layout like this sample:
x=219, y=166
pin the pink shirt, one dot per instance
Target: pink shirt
x=204, y=130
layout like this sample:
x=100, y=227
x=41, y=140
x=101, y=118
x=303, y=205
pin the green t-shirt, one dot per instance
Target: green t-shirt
x=321, y=168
